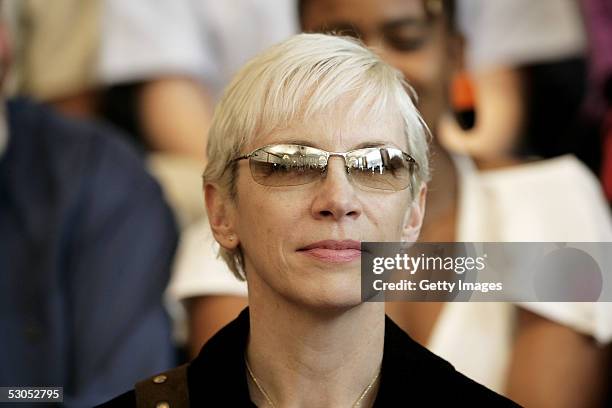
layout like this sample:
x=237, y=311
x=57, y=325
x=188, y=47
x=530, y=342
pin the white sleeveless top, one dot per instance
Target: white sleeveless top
x=556, y=200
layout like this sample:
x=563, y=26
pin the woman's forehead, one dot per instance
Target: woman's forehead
x=334, y=131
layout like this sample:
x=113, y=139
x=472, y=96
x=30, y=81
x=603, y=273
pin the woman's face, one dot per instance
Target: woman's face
x=402, y=33
x=299, y=242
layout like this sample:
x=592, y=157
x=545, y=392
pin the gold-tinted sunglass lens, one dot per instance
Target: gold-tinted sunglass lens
x=275, y=168
x=380, y=168
x=292, y=165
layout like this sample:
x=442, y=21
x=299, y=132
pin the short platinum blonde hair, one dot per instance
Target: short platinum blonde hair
x=292, y=82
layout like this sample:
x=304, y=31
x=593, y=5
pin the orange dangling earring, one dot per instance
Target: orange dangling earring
x=463, y=99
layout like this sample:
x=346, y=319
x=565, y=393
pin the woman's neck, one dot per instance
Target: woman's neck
x=303, y=357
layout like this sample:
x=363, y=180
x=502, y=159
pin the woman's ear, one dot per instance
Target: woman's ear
x=414, y=219
x=221, y=216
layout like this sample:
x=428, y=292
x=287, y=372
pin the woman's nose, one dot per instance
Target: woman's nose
x=336, y=197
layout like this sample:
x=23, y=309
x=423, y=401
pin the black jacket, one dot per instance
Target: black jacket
x=411, y=375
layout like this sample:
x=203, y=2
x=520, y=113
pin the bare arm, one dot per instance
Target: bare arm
x=175, y=113
x=208, y=314
x=554, y=366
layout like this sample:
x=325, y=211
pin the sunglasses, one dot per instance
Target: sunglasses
x=381, y=168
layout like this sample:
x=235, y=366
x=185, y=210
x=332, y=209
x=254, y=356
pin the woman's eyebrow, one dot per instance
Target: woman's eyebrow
x=405, y=22
x=366, y=145
x=302, y=142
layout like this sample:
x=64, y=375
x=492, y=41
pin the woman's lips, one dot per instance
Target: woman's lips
x=333, y=251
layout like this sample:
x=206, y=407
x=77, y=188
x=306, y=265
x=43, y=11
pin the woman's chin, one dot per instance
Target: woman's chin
x=330, y=294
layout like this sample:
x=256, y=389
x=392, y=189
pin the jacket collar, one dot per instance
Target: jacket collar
x=218, y=374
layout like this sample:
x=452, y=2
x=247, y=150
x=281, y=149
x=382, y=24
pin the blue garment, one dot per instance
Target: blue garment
x=86, y=243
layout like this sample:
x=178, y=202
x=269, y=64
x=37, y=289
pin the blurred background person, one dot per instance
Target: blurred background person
x=55, y=53
x=87, y=244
